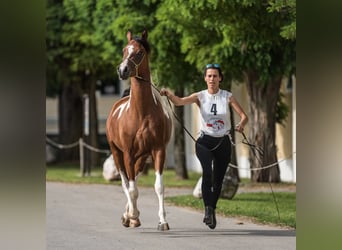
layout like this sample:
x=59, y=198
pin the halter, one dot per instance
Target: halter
x=138, y=56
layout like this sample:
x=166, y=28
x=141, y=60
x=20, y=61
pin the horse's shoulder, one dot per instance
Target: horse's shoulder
x=121, y=101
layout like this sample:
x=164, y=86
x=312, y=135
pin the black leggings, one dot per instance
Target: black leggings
x=214, y=154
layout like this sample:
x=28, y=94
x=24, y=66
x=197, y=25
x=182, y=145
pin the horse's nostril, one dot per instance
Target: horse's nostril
x=125, y=69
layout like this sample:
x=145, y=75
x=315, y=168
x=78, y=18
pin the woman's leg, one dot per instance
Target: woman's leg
x=222, y=157
x=205, y=157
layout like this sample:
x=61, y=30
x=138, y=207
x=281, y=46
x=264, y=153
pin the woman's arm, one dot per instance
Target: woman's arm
x=180, y=101
x=243, y=117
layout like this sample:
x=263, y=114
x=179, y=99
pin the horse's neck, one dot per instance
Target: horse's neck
x=141, y=89
x=141, y=95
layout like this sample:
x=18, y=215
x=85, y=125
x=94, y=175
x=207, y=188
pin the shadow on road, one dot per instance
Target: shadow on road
x=180, y=233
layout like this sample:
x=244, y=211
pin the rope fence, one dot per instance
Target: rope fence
x=264, y=167
x=61, y=146
x=81, y=145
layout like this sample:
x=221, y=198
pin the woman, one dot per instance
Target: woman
x=213, y=147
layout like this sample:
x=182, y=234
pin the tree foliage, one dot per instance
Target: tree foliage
x=242, y=35
x=254, y=41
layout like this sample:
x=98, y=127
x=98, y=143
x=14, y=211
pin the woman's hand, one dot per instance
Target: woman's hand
x=239, y=128
x=164, y=92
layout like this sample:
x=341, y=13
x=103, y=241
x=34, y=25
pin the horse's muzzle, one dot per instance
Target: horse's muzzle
x=123, y=72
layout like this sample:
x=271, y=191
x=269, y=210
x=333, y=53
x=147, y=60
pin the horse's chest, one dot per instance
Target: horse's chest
x=146, y=129
x=138, y=130
x=143, y=128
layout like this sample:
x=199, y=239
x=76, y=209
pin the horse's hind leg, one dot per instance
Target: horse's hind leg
x=159, y=189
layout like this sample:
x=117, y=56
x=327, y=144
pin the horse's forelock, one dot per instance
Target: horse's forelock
x=144, y=43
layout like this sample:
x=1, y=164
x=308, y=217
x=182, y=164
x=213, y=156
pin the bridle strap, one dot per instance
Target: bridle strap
x=136, y=65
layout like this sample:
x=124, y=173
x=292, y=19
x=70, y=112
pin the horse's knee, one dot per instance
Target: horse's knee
x=159, y=189
x=158, y=185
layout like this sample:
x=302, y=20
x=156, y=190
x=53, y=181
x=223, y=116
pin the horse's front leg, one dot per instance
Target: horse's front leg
x=130, y=218
x=159, y=189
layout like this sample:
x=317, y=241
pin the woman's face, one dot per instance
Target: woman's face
x=212, y=78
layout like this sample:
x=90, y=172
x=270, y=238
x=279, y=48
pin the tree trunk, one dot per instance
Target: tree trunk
x=70, y=119
x=263, y=100
x=91, y=157
x=179, y=150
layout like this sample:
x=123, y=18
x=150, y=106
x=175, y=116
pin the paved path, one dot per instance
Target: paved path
x=87, y=217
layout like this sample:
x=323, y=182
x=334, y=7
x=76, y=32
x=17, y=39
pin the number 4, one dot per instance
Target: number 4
x=213, y=109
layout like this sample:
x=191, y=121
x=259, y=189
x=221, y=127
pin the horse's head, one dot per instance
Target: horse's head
x=133, y=55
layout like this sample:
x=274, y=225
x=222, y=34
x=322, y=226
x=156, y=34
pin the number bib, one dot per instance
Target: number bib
x=215, y=115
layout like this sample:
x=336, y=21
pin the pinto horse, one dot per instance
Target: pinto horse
x=138, y=126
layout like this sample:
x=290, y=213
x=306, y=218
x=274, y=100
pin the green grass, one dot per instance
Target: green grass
x=259, y=207
x=71, y=174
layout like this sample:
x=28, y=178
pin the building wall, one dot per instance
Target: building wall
x=284, y=138
x=51, y=114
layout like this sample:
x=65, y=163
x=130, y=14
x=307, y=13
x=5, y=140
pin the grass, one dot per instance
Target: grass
x=256, y=206
x=71, y=174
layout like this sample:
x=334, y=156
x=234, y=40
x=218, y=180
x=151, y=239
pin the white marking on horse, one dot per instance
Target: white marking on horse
x=131, y=192
x=159, y=189
x=121, y=108
x=130, y=49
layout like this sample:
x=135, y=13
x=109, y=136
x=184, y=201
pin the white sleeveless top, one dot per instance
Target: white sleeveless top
x=215, y=114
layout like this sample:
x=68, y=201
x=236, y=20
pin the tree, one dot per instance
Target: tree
x=84, y=45
x=255, y=42
x=60, y=80
x=74, y=64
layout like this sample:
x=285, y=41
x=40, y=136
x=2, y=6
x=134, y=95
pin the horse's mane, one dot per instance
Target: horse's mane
x=143, y=43
x=165, y=104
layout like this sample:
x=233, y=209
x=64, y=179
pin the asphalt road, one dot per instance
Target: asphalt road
x=87, y=217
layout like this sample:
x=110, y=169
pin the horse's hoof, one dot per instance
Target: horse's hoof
x=125, y=221
x=163, y=227
x=134, y=223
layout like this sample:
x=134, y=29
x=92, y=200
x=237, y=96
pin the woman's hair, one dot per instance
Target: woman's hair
x=214, y=66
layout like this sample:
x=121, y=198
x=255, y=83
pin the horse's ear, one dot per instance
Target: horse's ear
x=129, y=35
x=144, y=35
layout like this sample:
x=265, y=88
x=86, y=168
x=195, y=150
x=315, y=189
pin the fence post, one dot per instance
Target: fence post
x=86, y=135
x=81, y=157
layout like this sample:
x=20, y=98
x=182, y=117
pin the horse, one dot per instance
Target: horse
x=139, y=126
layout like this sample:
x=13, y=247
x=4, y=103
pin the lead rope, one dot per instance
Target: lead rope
x=261, y=152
